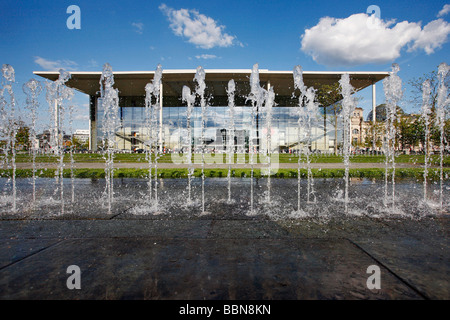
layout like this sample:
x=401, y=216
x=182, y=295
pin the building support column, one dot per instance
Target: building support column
x=92, y=123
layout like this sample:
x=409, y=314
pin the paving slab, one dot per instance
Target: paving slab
x=207, y=258
x=15, y=250
x=418, y=264
x=199, y=269
x=79, y=229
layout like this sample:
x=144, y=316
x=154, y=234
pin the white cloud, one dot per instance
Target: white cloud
x=199, y=29
x=81, y=117
x=444, y=11
x=433, y=36
x=361, y=39
x=206, y=56
x=55, y=65
x=139, y=27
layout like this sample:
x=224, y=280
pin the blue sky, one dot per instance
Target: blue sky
x=137, y=35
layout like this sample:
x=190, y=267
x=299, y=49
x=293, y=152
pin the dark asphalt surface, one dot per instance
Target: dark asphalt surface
x=209, y=257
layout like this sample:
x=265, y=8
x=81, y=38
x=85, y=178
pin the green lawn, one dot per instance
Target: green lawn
x=283, y=158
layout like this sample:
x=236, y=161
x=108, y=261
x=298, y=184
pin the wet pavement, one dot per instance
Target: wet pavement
x=180, y=253
x=207, y=258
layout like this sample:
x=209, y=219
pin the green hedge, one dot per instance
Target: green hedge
x=377, y=173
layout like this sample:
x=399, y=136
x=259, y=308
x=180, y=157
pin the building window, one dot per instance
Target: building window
x=355, y=131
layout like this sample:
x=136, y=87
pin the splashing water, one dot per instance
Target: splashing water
x=269, y=103
x=426, y=111
x=110, y=124
x=32, y=89
x=57, y=94
x=9, y=124
x=348, y=106
x=256, y=96
x=299, y=85
x=200, y=91
x=230, y=136
x=262, y=104
x=190, y=100
x=442, y=102
x=392, y=87
x=72, y=160
x=154, y=126
x=311, y=109
x=8, y=73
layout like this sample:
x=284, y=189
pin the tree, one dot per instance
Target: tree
x=435, y=134
x=23, y=138
x=417, y=99
x=22, y=131
x=410, y=131
x=79, y=144
x=379, y=133
x=416, y=84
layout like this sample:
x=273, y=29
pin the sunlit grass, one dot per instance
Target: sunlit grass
x=223, y=158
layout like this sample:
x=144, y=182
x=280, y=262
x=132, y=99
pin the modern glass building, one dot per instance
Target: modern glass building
x=172, y=133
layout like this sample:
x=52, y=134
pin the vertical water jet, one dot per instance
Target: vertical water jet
x=230, y=136
x=8, y=111
x=57, y=94
x=200, y=91
x=392, y=87
x=190, y=100
x=442, y=102
x=110, y=124
x=348, y=106
x=32, y=89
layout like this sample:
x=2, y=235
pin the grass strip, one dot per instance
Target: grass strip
x=222, y=158
x=374, y=173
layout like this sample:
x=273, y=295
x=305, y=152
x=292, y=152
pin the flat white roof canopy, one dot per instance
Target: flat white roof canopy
x=132, y=83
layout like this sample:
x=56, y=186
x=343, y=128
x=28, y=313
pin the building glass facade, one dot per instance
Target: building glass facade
x=133, y=133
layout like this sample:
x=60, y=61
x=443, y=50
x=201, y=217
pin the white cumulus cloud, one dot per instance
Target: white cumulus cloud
x=444, y=11
x=199, y=29
x=433, y=36
x=55, y=65
x=361, y=39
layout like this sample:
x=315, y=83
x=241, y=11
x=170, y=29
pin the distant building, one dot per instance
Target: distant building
x=249, y=124
x=43, y=141
x=81, y=135
x=359, y=128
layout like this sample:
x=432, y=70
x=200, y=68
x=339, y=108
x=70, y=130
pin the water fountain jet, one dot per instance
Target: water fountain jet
x=8, y=109
x=32, y=89
x=392, y=87
x=442, y=102
x=200, y=91
x=57, y=94
x=110, y=124
x=230, y=137
x=348, y=106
